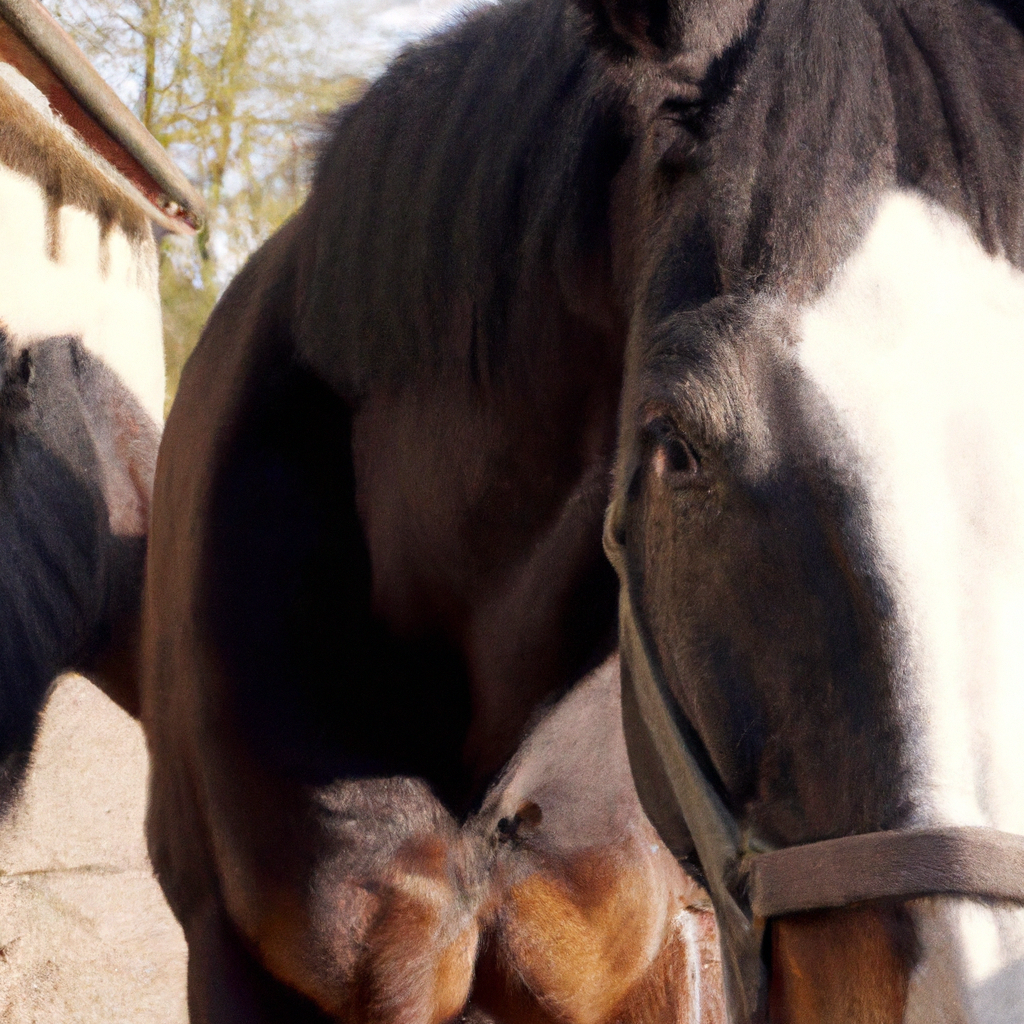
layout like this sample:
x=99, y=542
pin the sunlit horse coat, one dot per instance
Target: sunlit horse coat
x=770, y=254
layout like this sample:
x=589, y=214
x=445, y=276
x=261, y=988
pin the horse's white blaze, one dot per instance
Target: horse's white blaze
x=918, y=347
x=71, y=277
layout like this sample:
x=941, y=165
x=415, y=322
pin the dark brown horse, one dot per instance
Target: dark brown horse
x=378, y=570
x=770, y=253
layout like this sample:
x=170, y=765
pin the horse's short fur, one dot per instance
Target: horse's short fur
x=555, y=232
x=589, y=916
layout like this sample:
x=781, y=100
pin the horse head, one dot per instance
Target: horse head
x=818, y=513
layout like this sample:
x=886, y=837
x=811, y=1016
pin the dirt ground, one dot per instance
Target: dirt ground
x=85, y=935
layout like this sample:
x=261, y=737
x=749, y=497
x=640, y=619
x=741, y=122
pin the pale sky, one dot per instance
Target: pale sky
x=369, y=32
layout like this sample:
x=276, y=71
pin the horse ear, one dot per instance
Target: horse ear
x=631, y=27
x=659, y=29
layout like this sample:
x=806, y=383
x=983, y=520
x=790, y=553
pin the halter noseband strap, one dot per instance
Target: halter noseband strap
x=747, y=886
x=977, y=862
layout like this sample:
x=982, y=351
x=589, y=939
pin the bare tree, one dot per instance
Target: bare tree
x=235, y=89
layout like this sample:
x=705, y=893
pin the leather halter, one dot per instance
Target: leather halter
x=749, y=885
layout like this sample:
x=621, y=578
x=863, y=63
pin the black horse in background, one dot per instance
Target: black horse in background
x=77, y=456
x=750, y=270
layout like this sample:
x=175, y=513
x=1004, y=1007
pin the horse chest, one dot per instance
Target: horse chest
x=456, y=490
x=483, y=524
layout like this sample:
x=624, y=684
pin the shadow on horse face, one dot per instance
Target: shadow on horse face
x=751, y=561
x=750, y=564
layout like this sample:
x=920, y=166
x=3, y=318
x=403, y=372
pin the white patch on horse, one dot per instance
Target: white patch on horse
x=102, y=287
x=918, y=345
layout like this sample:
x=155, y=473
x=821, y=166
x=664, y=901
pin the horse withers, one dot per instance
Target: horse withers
x=759, y=265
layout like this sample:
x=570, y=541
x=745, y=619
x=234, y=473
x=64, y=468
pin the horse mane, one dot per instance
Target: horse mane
x=474, y=178
x=66, y=583
x=469, y=178
x=838, y=103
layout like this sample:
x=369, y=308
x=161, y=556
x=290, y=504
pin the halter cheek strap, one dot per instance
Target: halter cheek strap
x=654, y=741
x=747, y=887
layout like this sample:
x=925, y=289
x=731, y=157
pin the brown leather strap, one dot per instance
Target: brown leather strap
x=972, y=862
x=716, y=835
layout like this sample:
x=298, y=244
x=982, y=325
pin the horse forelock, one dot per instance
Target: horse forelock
x=789, y=144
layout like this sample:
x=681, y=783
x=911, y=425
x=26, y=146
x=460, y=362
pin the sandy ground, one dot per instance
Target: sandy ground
x=85, y=935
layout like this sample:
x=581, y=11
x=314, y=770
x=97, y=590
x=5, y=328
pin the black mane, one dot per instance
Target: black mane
x=840, y=101
x=834, y=102
x=455, y=155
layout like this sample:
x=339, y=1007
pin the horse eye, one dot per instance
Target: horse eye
x=679, y=133
x=683, y=154
x=688, y=113
x=674, y=459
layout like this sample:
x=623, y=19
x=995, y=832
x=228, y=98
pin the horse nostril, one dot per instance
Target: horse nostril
x=529, y=814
